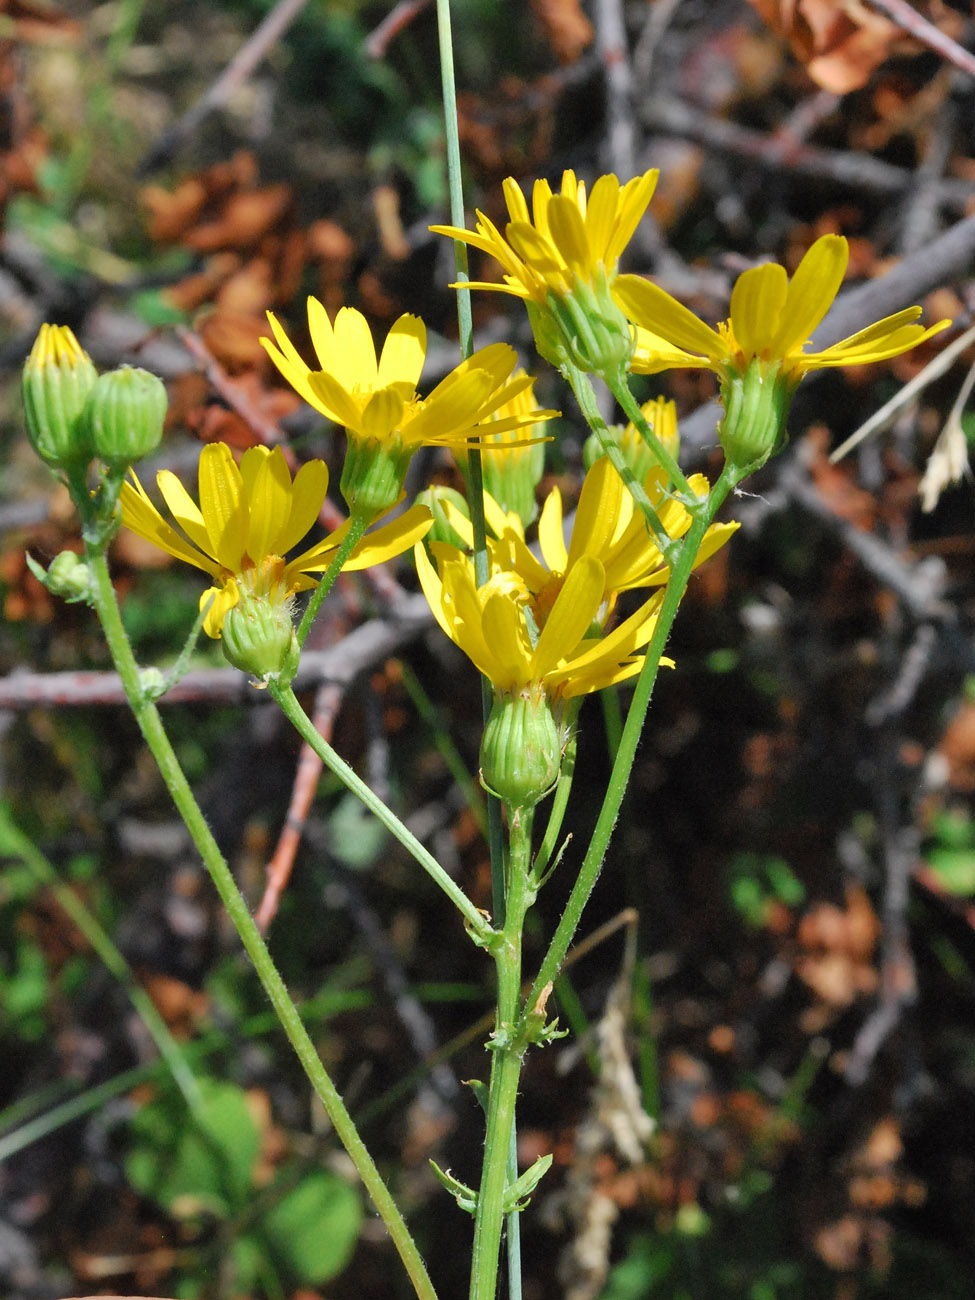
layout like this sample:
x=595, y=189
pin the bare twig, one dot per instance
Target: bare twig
x=919, y=586
x=328, y=698
x=339, y=664
x=400, y=16
x=861, y=171
x=921, y=217
x=909, y=20
x=264, y=36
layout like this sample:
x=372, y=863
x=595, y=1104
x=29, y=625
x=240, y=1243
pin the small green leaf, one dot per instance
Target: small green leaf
x=955, y=869
x=195, y=1163
x=312, y=1232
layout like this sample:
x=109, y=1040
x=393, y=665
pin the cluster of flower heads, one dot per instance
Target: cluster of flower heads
x=541, y=629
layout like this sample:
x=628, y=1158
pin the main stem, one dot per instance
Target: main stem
x=508, y=1050
x=632, y=730
x=150, y=724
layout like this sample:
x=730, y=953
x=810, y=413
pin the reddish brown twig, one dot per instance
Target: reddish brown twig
x=265, y=34
x=309, y=769
x=400, y=16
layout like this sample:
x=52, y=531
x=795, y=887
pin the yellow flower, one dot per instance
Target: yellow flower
x=248, y=518
x=562, y=259
x=492, y=624
x=377, y=400
x=607, y=528
x=513, y=467
x=771, y=320
x=566, y=237
x=759, y=351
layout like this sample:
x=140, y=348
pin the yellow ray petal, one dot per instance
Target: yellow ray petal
x=568, y=234
x=224, y=599
x=322, y=335
x=307, y=498
x=184, y=510
x=432, y=588
x=381, y=415
x=142, y=517
x=267, y=485
x=391, y=539
x=757, y=301
x=634, y=199
x=355, y=351
x=403, y=352
x=505, y=633
x=333, y=400
x=598, y=512
x=649, y=306
x=551, y=534
x=814, y=286
x=601, y=218
x=571, y=616
x=222, y=505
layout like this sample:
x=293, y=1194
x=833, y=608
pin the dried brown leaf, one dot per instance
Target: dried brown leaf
x=568, y=29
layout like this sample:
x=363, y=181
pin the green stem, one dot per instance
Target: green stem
x=455, y=183
x=286, y=699
x=150, y=724
x=357, y=527
x=560, y=803
x=621, y=391
x=465, y=322
x=586, y=397
x=608, y=813
x=508, y=1051
x=16, y=843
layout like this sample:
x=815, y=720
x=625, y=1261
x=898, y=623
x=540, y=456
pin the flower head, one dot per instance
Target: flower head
x=248, y=518
x=377, y=402
x=771, y=320
x=494, y=627
x=567, y=236
x=562, y=259
x=607, y=528
x=759, y=351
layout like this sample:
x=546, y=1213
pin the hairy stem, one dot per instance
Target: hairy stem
x=150, y=724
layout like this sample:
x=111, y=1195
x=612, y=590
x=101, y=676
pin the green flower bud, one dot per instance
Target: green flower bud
x=756, y=405
x=258, y=637
x=441, y=531
x=584, y=327
x=521, y=750
x=67, y=576
x=58, y=376
x=373, y=474
x=124, y=413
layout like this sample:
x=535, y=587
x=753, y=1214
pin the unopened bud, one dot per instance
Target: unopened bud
x=521, y=750
x=124, y=413
x=57, y=378
x=258, y=637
